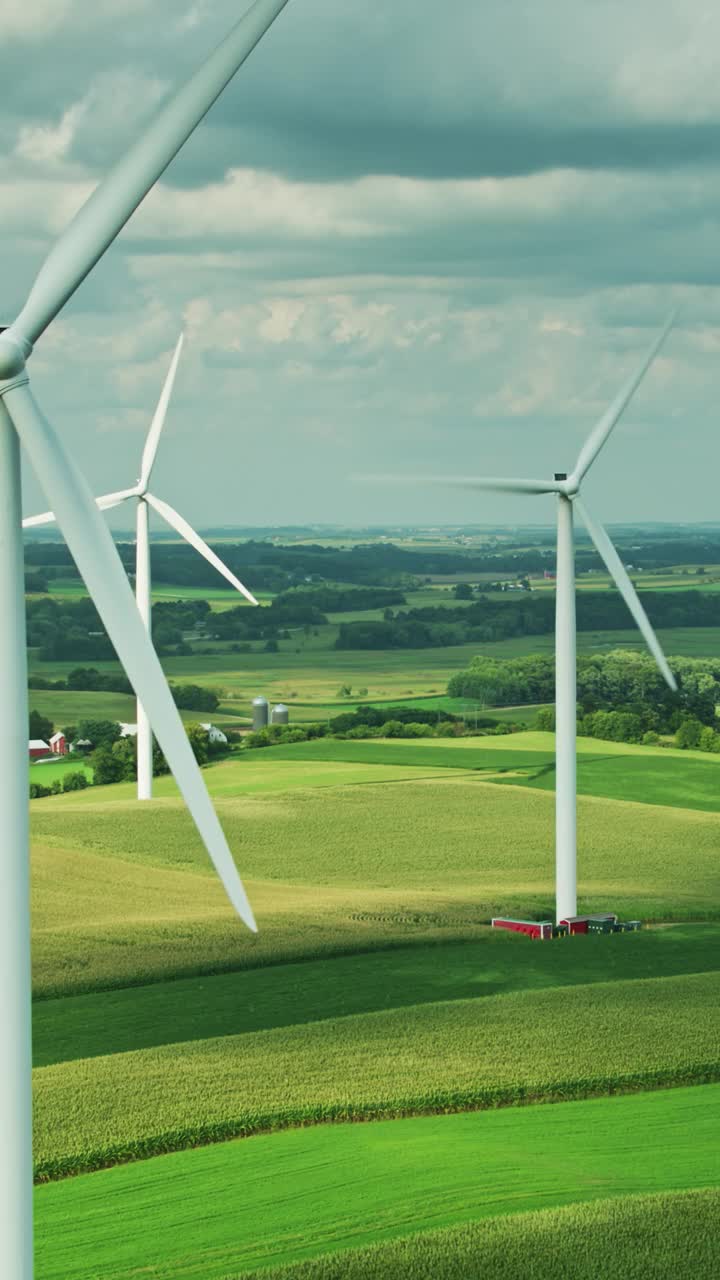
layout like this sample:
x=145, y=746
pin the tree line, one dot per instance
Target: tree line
x=491, y=619
x=620, y=683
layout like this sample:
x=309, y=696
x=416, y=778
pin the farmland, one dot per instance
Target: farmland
x=165, y=1035
x=391, y=1173
x=383, y=853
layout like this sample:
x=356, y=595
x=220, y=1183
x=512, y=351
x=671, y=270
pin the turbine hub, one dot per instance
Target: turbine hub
x=13, y=353
x=560, y=475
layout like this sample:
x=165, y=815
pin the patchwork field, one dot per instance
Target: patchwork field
x=375, y=991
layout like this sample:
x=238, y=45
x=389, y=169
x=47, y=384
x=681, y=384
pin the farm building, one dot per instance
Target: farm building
x=532, y=928
x=128, y=730
x=215, y=735
x=58, y=744
x=601, y=922
x=37, y=748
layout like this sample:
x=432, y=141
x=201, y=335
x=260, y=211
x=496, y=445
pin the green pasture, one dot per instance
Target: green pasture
x=343, y=856
x=493, y=963
x=616, y=771
x=65, y=708
x=651, y=1236
x=71, y=706
x=49, y=773
x=239, y=1207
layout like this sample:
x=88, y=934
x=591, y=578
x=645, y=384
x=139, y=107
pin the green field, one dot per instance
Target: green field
x=311, y=673
x=374, y=991
x=613, y=770
x=652, y=1236
x=285, y=1197
x=352, y=856
x=55, y=771
x=107, y=1022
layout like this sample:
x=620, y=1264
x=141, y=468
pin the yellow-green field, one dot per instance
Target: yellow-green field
x=374, y=990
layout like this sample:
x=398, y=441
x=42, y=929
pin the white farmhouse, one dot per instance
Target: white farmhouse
x=214, y=734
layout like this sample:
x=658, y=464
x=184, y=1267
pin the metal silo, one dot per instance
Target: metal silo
x=260, y=713
x=280, y=714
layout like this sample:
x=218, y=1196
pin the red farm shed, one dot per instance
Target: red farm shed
x=576, y=924
x=37, y=748
x=532, y=928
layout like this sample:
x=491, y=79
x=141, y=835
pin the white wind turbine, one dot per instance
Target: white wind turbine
x=142, y=496
x=72, y=257
x=567, y=489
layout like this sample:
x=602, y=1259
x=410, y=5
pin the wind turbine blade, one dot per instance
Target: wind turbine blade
x=110, y=500
x=105, y=503
x=619, y=573
x=32, y=522
x=158, y=421
x=94, y=552
x=471, y=482
x=186, y=531
x=116, y=198
x=612, y=415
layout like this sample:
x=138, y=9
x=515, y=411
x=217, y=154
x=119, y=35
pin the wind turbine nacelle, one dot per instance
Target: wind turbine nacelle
x=12, y=355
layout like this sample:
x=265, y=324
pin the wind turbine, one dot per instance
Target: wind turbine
x=72, y=257
x=144, y=499
x=567, y=488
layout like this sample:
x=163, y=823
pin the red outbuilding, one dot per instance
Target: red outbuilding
x=532, y=928
x=58, y=745
x=37, y=749
x=576, y=924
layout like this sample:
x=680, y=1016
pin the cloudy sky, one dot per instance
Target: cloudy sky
x=410, y=237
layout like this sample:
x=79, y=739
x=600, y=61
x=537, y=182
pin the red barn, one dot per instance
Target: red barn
x=575, y=924
x=58, y=745
x=37, y=748
x=532, y=928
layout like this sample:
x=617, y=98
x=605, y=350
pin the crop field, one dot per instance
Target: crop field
x=165, y=1034
x=388, y=1172
x=339, y=856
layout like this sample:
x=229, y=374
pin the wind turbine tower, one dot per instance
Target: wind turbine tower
x=567, y=489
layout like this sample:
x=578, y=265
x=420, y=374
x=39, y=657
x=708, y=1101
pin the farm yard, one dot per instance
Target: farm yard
x=165, y=1034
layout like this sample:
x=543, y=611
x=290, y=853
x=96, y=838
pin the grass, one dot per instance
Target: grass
x=655, y=1236
x=617, y=771
x=238, y=1207
x=437, y=1057
x=49, y=773
x=125, y=894
x=107, y=1022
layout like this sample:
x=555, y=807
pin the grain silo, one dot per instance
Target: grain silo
x=280, y=714
x=260, y=713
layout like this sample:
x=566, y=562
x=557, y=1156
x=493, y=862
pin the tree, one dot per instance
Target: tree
x=546, y=719
x=124, y=751
x=688, y=734
x=74, y=781
x=39, y=727
x=191, y=697
x=463, y=591
x=709, y=740
x=198, y=739
x=102, y=733
x=107, y=768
